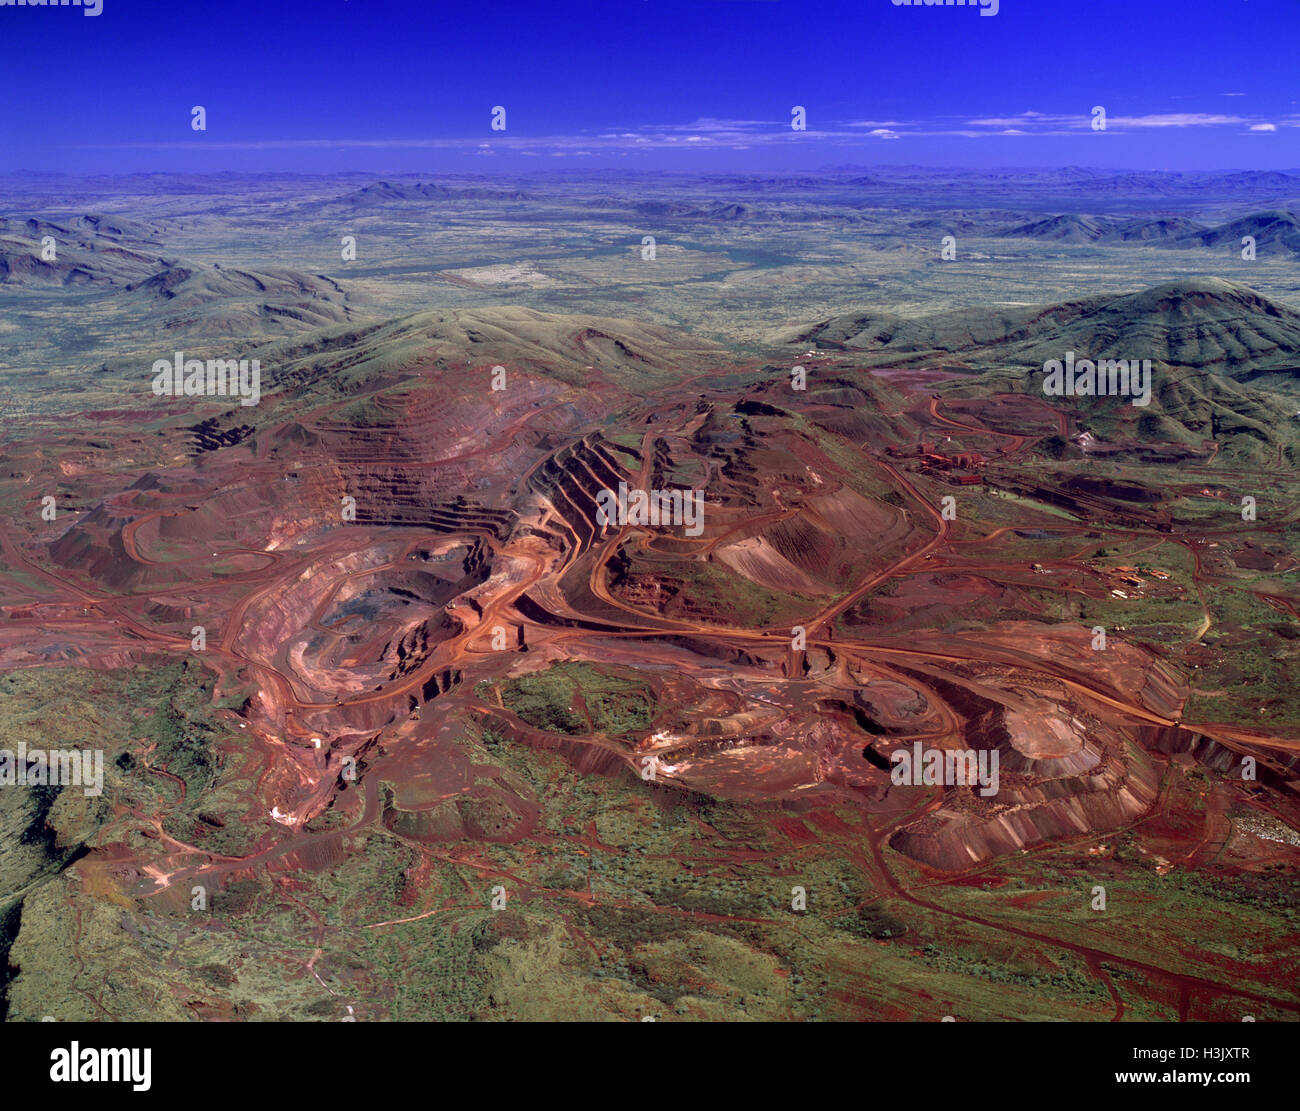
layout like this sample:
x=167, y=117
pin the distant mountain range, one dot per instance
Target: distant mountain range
x=1225, y=358
x=1274, y=231
x=89, y=250
x=387, y=192
x=1206, y=324
x=109, y=253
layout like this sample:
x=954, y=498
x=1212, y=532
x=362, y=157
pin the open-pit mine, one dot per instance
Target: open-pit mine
x=411, y=709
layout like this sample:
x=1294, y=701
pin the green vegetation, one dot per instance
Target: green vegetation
x=575, y=698
x=716, y=593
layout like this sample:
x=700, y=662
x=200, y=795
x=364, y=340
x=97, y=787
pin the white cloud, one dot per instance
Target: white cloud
x=1038, y=121
x=711, y=125
x=1177, y=119
x=1012, y=121
x=709, y=133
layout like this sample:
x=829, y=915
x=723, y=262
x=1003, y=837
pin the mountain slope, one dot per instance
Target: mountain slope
x=1062, y=229
x=1274, y=232
x=1207, y=323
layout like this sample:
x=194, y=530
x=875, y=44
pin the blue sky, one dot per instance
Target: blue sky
x=399, y=86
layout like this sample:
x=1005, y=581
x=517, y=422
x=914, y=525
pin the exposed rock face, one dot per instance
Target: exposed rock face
x=956, y=839
x=1062, y=769
x=1057, y=778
